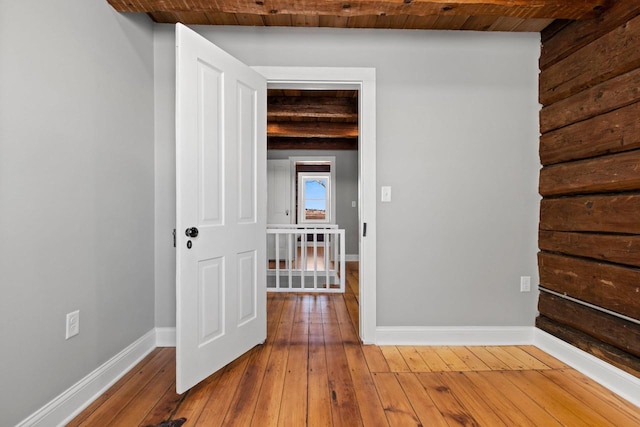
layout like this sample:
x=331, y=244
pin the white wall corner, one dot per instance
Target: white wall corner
x=71, y=402
x=623, y=384
x=165, y=337
x=454, y=335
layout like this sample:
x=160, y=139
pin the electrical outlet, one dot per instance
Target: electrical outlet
x=385, y=194
x=525, y=284
x=353, y=204
x=73, y=324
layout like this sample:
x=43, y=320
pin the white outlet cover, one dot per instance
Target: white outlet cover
x=385, y=194
x=73, y=324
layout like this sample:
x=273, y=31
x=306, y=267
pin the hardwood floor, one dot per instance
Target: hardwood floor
x=313, y=371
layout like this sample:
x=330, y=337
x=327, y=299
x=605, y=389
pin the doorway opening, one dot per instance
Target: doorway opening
x=361, y=80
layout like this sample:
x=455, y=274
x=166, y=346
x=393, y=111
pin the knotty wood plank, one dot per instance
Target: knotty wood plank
x=495, y=401
x=195, y=400
x=312, y=130
x=617, y=248
x=375, y=359
x=578, y=34
x=518, y=398
x=165, y=406
x=576, y=412
x=609, y=214
x=612, y=132
x=450, y=407
x=424, y=407
x=607, y=174
x=612, y=330
x=114, y=389
x=472, y=361
x=601, y=99
x=397, y=407
x=488, y=358
x=605, y=285
x=465, y=392
x=579, y=71
x=413, y=359
x=110, y=409
x=319, y=402
x=394, y=359
x=597, y=348
x=588, y=399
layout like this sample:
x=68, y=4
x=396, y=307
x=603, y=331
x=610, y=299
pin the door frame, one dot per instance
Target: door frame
x=364, y=80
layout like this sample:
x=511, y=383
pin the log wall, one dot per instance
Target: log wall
x=590, y=183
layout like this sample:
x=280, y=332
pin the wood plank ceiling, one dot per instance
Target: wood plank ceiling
x=329, y=120
x=479, y=15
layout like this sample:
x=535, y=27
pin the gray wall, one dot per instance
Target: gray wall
x=457, y=136
x=76, y=193
x=346, y=169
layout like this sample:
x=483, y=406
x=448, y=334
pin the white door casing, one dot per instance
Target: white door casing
x=221, y=191
x=279, y=192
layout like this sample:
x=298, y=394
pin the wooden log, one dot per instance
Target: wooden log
x=283, y=143
x=310, y=106
x=606, y=214
x=524, y=9
x=613, y=132
x=603, y=98
x=313, y=129
x=609, y=286
x=612, y=330
x=557, y=45
x=597, y=348
x=613, y=54
x=617, y=248
x=607, y=174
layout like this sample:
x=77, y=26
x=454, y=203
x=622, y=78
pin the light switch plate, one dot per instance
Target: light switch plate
x=385, y=194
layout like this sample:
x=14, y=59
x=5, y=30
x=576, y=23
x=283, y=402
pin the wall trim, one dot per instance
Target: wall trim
x=454, y=335
x=71, y=402
x=351, y=258
x=166, y=337
x=618, y=381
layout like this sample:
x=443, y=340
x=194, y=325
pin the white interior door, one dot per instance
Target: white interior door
x=279, y=192
x=221, y=192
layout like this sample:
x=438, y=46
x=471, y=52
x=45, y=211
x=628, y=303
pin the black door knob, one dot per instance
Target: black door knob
x=191, y=232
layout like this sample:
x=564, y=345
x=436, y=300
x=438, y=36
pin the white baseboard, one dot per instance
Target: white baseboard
x=350, y=258
x=71, y=402
x=166, y=337
x=623, y=384
x=454, y=335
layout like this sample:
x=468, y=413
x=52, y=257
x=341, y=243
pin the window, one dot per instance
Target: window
x=314, y=199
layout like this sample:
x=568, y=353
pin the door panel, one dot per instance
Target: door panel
x=221, y=191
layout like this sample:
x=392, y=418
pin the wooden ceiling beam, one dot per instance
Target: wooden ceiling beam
x=282, y=143
x=312, y=129
x=311, y=107
x=523, y=9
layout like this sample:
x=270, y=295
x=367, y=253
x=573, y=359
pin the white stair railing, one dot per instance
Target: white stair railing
x=305, y=259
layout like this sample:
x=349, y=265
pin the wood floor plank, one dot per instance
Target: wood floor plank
x=519, y=399
x=512, y=362
x=375, y=359
x=396, y=404
x=488, y=358
x=453, y=411
x=432, y=359
x=164, y=408
x=545, y=358
x=424, y=407
x=105, y=414
x=413, y=359
x=114, y=389
x=451, y=359
x=465, y=393
x=196, y=399
x=527, y=359
x=472, y=361
x=394, y=359
x=584, y=396
x=553, y=401
x=319, y=401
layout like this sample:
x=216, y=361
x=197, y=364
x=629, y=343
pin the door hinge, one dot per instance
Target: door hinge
x=174, y=237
